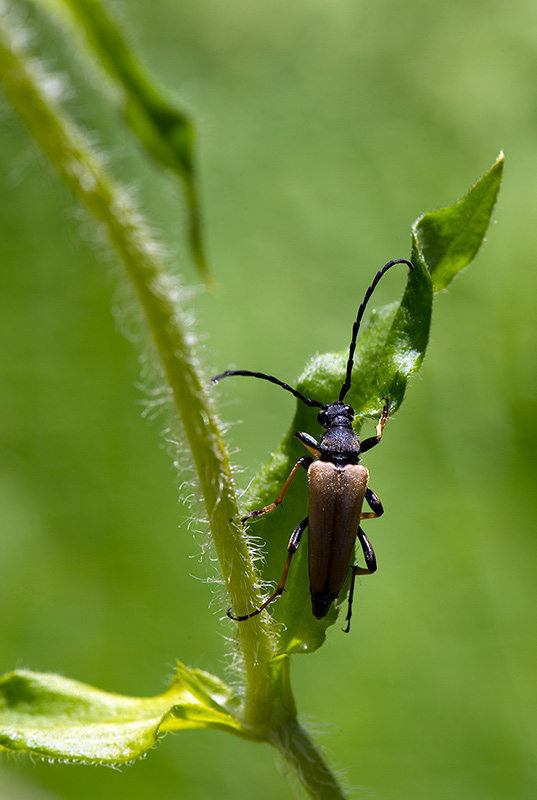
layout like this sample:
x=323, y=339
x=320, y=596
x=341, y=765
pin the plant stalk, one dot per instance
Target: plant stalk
x=300, y=753
x=67, y=148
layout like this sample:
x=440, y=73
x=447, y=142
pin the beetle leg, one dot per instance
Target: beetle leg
x=374, y=504
x=292, y=547
x=309, y=442
x=305, y=462
x=367, y=444
x=371, y=567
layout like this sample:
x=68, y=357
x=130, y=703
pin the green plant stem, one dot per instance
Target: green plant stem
x=67, y=148
x=301, y=754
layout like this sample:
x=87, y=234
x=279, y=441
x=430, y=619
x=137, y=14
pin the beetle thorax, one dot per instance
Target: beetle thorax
x=339, y=444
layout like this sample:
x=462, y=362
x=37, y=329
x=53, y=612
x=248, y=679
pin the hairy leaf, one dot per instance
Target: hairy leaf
x=59, y=718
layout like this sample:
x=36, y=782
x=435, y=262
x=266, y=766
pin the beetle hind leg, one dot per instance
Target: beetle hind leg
x=371, y=566
x=292, y=547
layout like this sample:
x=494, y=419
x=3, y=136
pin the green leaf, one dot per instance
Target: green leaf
x=163, y=128
x=391, y=347
x=58, y=718
x=450, y=238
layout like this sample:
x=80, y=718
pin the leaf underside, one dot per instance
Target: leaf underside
x=61, y=719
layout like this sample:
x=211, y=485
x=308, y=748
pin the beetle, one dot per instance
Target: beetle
x=337, y=487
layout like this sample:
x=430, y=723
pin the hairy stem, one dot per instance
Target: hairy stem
x=301, y=754
x=269, y=711
x=80, y=167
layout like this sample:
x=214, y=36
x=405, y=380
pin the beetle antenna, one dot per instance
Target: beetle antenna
x=272, y=379
x=356, y=327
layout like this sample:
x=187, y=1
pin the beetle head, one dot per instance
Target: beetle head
x=336, y=415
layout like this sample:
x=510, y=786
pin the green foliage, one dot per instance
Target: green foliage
x=58, y=718
x=164, y=129
x=62, y=719
x=390, y=349
x=447, y=240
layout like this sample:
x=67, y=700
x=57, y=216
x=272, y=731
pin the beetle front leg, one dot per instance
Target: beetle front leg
x=292, y=547
x=371, y=566
x=309, y=442
x=367, y=444
x=305, y=462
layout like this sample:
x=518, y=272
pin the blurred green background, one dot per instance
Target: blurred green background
x=325, y=128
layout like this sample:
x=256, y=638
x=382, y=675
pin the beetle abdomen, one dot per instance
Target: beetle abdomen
x=336, y=495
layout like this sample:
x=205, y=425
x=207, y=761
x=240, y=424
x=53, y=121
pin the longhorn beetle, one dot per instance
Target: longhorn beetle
x=337, y=485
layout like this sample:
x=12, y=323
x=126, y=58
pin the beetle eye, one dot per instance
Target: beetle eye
x=323, y=418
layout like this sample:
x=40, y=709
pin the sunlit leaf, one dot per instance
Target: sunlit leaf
x=450, y=238
x=390, y=350
x=59, y=718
